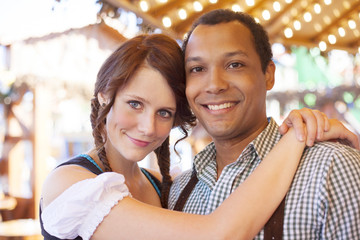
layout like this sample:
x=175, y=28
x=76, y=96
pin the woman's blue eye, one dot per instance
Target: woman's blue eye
x=165, y=114
x=135, y=104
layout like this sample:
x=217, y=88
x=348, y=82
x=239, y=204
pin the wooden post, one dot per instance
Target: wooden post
x=41, y=140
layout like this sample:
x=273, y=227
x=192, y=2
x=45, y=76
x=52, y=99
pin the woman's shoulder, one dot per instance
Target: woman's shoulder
x=62, y=178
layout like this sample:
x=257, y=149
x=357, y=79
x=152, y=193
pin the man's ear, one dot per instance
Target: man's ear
x=270, y=75
x=102, y=98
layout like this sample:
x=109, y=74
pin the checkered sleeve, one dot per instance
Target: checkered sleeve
x=340, y=205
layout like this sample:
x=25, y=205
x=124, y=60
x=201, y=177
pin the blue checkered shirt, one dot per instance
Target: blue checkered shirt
x=323, y=201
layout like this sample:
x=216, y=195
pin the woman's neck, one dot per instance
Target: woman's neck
x=138, y=184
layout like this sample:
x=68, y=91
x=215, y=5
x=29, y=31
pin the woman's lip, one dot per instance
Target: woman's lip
x=138, y=142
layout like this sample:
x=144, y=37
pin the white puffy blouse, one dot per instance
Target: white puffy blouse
x=82, y=207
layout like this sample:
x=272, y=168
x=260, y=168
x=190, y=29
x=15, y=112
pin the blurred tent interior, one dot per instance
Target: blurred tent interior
x=46, y=79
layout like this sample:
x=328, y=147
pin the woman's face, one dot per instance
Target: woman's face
x=141, y=117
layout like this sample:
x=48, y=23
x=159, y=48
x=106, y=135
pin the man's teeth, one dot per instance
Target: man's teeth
x=221, y=106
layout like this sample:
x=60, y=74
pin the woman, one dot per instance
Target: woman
x=139, y=96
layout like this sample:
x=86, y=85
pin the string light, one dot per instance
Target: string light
x=236, y=8
x=341, y=31
x=266, y=15
x=332, y=39
x=327, y=19
x=318, y=27
x=182, y=14
x=317, y=8
x=213, y=1
x=288, y=1
x=285, y=20
x=276, y=6
x=307, y=17
x=297, y=25
x=327, y=2
x=336, y=12
x=288, y=32
x=352, y=24
x=346, y=5
x=294, y=12
x=144, y=6
x=166, y=22
x=322, y=46
x=356, y=33
x=250, y=3
x=197, y=6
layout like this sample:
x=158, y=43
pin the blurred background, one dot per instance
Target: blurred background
x=51, y=50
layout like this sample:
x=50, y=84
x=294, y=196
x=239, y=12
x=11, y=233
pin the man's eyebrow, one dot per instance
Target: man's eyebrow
x=227, y=54
x=231, y=54
x=190, y=59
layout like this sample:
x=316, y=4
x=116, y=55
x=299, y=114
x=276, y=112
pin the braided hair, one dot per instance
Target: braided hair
x=161, y=53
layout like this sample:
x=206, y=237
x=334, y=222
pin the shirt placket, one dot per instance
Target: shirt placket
x=229, y=180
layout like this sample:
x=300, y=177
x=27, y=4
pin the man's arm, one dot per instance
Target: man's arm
x=318, y=128
x=340, y=203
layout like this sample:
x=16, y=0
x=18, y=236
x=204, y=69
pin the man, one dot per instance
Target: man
x=229, y=70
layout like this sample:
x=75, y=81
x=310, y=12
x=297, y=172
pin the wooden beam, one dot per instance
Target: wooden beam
x=146, y=17
x=182, y=27
x=164, y=8
x=280, y=14
x=345, y=14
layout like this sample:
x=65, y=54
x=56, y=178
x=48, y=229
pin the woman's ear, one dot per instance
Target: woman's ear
x=103, y=100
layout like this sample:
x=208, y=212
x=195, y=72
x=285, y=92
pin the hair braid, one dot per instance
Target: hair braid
x=97, y=125
x=163, y=158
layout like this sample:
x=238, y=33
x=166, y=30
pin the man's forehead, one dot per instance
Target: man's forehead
x=225, y=37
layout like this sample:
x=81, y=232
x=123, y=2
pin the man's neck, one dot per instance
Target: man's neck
x=228, y=151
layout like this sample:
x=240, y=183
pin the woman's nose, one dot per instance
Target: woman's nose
x=146, y=125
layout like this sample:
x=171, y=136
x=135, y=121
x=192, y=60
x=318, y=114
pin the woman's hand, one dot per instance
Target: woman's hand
x=319, y=128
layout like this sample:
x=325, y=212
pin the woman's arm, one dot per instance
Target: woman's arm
x=241, y=216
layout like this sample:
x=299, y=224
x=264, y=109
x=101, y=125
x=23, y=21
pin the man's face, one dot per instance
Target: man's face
x=225, y=85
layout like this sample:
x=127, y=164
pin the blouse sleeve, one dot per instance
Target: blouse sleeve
x=82, y=207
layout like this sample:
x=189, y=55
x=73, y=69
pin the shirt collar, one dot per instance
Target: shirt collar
x=267, y=139
x=205, y=160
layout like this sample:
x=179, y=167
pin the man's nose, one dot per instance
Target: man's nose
x=216, y=81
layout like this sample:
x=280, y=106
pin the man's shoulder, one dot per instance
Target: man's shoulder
x=332, y=148
x=332, y=152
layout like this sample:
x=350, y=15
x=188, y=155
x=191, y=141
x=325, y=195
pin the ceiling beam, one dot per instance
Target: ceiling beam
x=345, y=14
x=280, y=14
x=146, y=17
x=183, y=26
x=162, y=9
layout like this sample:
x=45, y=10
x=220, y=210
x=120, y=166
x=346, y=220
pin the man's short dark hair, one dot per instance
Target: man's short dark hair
x=260, y=36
